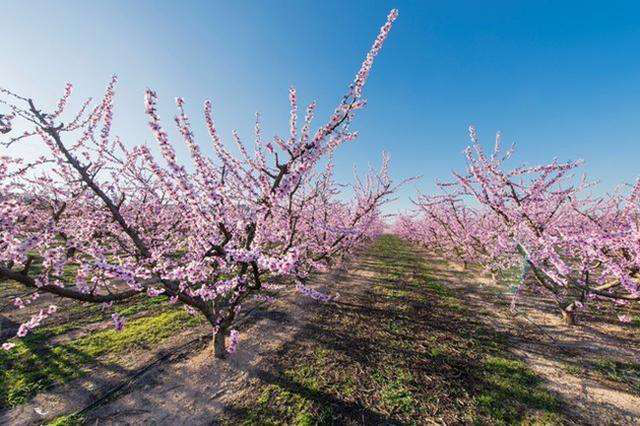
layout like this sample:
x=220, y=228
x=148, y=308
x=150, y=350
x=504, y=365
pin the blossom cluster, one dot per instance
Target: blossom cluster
x=36, y=320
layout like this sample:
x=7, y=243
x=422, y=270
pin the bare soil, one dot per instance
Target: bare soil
x=594, y=366
x=408, y=340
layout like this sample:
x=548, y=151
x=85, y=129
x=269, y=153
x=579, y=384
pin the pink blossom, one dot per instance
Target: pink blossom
x=314, y=294
x=118, y=321
x=18, y=302
x=233, y=341
x=22, y=330
x=625, y=318
x=154, y=292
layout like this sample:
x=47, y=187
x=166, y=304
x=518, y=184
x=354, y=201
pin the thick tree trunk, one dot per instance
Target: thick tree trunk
x=219, y=349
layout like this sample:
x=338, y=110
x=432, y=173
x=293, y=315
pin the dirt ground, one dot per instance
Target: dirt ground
x=178, y=382
x=584, y=364
x=589, y=367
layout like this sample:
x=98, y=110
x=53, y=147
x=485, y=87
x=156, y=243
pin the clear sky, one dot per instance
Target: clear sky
x=560, y=78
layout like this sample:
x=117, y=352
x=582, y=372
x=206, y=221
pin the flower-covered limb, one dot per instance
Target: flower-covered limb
x=97, y=221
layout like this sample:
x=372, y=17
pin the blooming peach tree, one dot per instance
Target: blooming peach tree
x=574, y=247
x=97, y=221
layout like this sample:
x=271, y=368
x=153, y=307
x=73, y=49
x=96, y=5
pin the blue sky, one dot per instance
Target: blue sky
x=558, y=78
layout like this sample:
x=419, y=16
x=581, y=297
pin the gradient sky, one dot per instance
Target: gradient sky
x=558, y=78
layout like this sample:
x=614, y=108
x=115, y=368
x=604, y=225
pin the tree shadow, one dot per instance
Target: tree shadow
x=389, y=350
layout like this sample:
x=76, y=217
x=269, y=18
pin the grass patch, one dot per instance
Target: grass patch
x=620, y=372
x=70, y=420
x=395, y=393
x=78, y=316
x=292, y=401
x=573, y=369
x=511, y=387
x=31, y=367
x=507, y=391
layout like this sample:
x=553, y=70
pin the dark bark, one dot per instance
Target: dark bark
x=219, y=349
x=568, y=317
x=568, y=313
x=29, y=282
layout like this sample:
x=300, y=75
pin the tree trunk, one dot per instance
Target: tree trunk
x=219, y=349
x=569, y=315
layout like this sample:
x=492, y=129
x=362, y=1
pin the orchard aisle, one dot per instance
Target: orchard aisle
x=594, y=367
x=407, y=340
x=395, y=347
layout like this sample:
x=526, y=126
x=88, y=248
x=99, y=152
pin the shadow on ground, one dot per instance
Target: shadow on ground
x=407, y=341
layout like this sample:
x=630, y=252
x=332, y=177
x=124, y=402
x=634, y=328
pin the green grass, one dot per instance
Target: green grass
x=31, y=367
x=510, y=384
x=70, y=420
x=508, y=392
x=573, y=369
x=627, y=373
x=145, y=304
x=399, y=263
x=294, y=397
x=293, y=405
x=81, y=315
x=621, y=372
x=395, y=393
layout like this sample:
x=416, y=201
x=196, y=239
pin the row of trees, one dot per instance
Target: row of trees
x=97, y=221
x=541, y=224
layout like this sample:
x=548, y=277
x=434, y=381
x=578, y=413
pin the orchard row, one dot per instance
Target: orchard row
x=99, y=221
